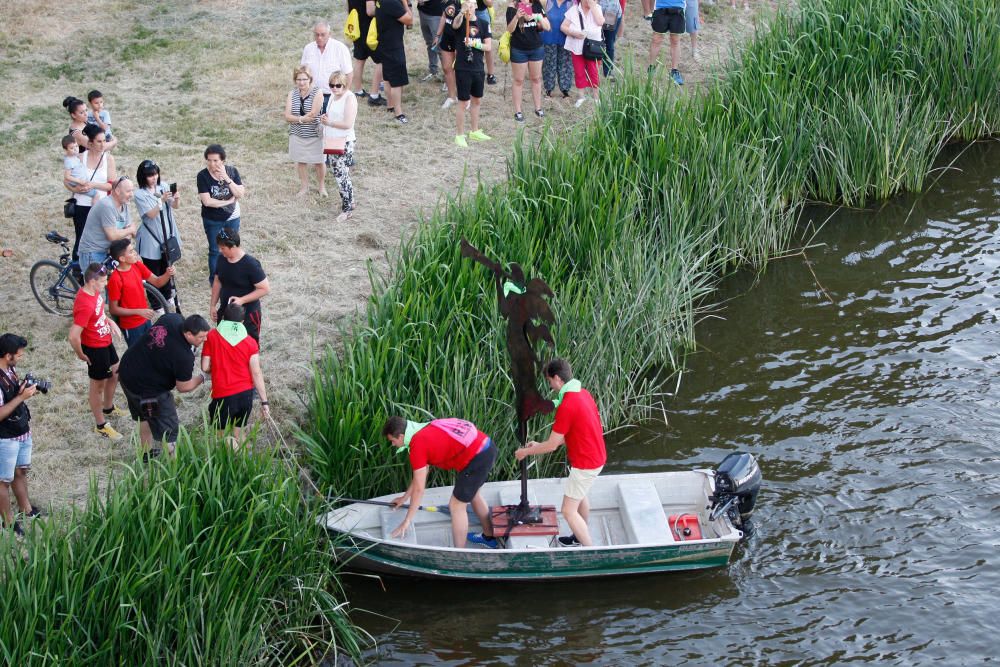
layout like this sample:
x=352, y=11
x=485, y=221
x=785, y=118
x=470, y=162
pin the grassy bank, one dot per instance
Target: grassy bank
x=208, y=559
x=633, y=222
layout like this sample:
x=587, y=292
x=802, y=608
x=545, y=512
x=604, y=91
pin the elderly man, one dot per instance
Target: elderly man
x=107, y=221
x=326, y=56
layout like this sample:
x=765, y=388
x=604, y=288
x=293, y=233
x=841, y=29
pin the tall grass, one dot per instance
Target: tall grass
x=633, y=221
x=208, y=559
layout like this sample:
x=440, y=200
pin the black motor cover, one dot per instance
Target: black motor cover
x=738, y=475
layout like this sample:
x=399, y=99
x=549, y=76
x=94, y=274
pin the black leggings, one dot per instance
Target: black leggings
x=79, y=221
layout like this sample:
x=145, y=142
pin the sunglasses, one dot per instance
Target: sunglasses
x=337, y=85
x=119, y=182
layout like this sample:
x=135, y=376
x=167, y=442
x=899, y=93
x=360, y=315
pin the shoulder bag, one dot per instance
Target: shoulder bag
x=593, y=49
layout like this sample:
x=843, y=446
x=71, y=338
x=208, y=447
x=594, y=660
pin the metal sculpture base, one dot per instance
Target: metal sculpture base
x=514, y=520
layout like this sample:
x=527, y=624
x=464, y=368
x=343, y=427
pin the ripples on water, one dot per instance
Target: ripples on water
x=872, y=406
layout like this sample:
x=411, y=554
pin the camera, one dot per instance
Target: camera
x=42, y=384
x=173, y=188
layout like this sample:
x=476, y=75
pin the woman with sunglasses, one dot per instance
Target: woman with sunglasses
x=305, y=144
x=338, y=121
x=155, y=203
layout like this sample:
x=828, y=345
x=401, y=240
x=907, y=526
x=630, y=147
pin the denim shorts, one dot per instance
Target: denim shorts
x=88, y=258
x=14, y=454
x=521, y=56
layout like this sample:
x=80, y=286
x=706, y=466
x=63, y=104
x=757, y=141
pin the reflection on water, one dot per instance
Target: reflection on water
x=868, y=395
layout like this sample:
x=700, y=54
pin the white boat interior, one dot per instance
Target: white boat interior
x=625, y=510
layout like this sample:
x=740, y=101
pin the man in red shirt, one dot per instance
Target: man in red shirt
x=90, y=337
x=578, y=425
x=126, y=294
x=449, y=444
x=230, y=354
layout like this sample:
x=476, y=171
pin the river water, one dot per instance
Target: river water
x=867, y=387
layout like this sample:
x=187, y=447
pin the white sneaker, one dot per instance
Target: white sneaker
x=427, y=77
x=579, y=102
x=444, y=87
x=448, y=102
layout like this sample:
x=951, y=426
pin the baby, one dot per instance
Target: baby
x=100, y=116
x=74, y=171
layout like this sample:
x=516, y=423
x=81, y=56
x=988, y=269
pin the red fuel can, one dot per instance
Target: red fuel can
x=684, y=527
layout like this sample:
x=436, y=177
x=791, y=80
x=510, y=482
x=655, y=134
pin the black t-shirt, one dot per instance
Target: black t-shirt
x=527, y=36
x=218, y=191
x=390, y=30
x=159, y=360
x=449, y=10
x=478, y=29
x=238, y=279
x=431, y=7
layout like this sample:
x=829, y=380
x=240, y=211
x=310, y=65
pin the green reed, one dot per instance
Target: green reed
x=207, y=559
x=633, y=221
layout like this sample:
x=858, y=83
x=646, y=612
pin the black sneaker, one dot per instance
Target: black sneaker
x=17, y=529
x=35, y=513
x=570, y=541
x=377, y=101
x=519, y=117
x=361, y=93
x=153, y=453
x=491, y=80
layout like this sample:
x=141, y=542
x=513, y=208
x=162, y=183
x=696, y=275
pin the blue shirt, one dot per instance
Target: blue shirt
x=555, y=14
x=667, y=4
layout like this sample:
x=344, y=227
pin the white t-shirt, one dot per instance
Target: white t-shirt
x=335, y=58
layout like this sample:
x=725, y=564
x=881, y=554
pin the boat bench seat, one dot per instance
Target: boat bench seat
x=511, y=495
x=390, y=522
x=642, y=513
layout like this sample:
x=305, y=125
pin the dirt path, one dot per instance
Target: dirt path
x=177, y=79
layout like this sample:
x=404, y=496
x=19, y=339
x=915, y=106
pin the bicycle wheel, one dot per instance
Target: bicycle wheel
x=156, y=300
x=54, y=287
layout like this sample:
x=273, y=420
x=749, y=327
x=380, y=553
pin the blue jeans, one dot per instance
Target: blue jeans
x=14, y=454
x=132, y=336
x=88, y=258
x=610, y=37
x=212, y=229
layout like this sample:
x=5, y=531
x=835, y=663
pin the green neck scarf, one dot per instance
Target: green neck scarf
x=233, y=332
x=571, y=386
x=412, y=428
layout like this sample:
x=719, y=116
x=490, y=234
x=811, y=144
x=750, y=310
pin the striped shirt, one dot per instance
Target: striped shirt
x=302, y=107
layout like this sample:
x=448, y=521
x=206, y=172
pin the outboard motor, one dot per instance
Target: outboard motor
x=737, y=483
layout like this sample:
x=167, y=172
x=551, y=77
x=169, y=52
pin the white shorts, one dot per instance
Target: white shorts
x=579, y=482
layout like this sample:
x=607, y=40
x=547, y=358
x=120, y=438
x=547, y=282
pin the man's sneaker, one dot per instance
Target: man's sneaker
x=108, y=432
x=539, y=113
x=377, y=101
x=569, y=541
x=361, y=93
x=491, y=79
x=430, y=76
x=115, y=411
x=479, y=538
x=402, y=119
x=479, y=135
x=444, y=87
x=448, y=102
x=153, y=453
x=460, y=141
x=676, y=76
x=18, y=531
x=648, y=17
x=35, y=513
x=519, y=117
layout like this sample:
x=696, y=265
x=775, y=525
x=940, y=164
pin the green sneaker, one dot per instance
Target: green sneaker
x=479, y=135
x=460, y=141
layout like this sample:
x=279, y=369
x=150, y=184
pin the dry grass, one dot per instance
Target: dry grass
x=179, y=76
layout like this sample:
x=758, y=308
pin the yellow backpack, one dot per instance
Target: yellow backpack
x=372, y=39
x=352, y=27
x=504, y=49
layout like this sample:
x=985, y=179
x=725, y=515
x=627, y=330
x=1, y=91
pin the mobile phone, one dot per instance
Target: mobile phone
x=173, y=188
x=525, y=8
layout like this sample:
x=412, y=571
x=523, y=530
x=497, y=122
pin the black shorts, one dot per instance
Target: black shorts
x=473, y=476
x=447, y=43
x=394, y=68
x=101, y=361
x=668, y=19
x=231, y=410
x=469, y=84
x=164, y=424
x=361, y=50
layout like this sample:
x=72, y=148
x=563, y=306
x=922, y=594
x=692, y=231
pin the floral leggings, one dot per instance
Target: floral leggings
x=341, y=165
x=558, y=62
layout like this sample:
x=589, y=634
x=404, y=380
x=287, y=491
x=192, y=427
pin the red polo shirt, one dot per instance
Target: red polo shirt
x=577, y=419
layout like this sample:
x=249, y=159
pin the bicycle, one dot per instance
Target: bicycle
x=55, y=285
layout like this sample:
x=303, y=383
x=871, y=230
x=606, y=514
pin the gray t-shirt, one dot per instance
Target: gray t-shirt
x=104, y=213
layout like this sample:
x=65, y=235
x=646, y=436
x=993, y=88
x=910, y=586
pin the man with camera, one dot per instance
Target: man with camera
x=15, y=429
x=161, y=360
